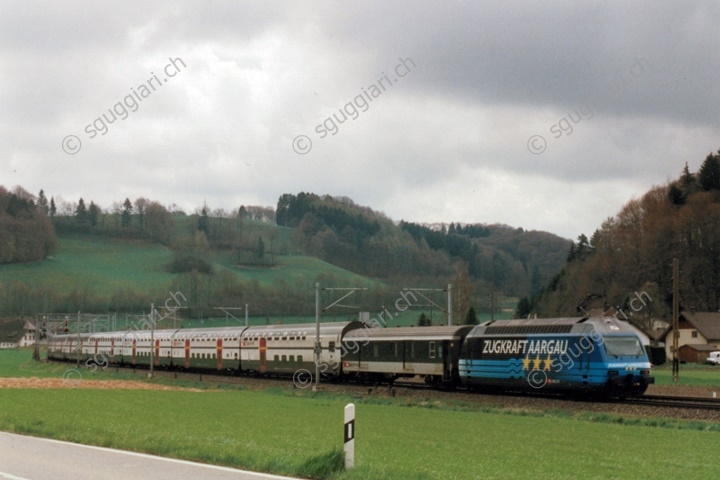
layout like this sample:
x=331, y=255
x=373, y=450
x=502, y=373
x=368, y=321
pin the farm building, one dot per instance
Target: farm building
x=12, y=332
x=28, y=338
x=699, y=331
x=695, y=353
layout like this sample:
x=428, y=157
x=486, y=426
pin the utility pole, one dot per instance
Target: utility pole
x=492, y=303
x=152, y=340
x=318, y=349
x=36, y=352
x=676, y=320
x=449, y=304
x=79, y=345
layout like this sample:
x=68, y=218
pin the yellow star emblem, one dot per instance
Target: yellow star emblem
x=526, y=363
x=536, y=363
x=548, y=363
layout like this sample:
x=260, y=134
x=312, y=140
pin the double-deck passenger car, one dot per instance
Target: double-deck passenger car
x=285, y=349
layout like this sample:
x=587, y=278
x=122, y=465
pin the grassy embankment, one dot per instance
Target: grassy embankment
x=396, y=438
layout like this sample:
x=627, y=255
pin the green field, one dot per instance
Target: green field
x=107, y=265
x=104, y=264
x=290, y=268
x=293, y=431
x=690, y=375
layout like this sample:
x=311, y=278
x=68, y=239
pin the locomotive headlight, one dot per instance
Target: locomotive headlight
x=644, y=372
x=613, y=372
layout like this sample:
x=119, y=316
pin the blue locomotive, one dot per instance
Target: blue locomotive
x=597, y=354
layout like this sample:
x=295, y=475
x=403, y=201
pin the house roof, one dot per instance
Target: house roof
x=707, y=323
x=701, y=347
x=11, y=330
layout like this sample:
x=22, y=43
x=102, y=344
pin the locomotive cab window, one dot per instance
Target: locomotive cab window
x=623, y=346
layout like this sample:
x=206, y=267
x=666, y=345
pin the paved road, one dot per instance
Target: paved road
x=31, y=458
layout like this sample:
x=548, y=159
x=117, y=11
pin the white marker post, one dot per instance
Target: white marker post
x=349, y=436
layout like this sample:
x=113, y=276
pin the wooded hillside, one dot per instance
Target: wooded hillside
x=359, y=239
x=26, y=233
x=633, y=251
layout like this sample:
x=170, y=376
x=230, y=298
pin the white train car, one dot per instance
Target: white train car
x=202, y=348
x=285, y=349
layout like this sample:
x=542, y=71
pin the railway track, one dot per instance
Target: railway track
x=676, y=402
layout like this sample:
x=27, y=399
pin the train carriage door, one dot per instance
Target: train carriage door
x=263, y=355
x=134, y=351
x=363, y=348
x=187, y=353
x=219, y=353
x=157, y=353
x=96, y=347
x=405, y=353
x=443, y=352
x=112, y=350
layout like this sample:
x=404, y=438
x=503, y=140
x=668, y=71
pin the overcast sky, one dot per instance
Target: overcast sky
x=542, y=115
